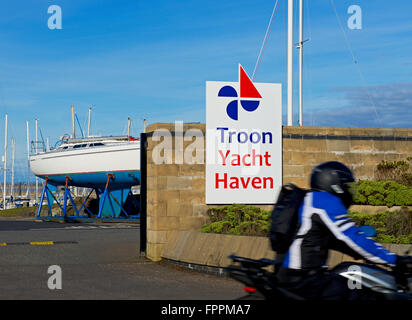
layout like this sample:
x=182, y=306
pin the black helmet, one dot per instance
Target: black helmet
x=333, y=177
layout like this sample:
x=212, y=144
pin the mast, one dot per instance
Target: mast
x=300, y=47
x=88, y=122
x=128, y=126
x=5, y=163
x=13, y=151
x=144, y=125
x=73, y=124
x=28, y=159
x=37, y=150
x=290, y=63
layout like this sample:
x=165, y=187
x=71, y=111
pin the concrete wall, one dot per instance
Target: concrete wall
x=209, y=249
x=176, y=192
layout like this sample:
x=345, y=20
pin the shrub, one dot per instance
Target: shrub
x=391, y=227
x=383, y=193
x=239, y=220
x=398, y=171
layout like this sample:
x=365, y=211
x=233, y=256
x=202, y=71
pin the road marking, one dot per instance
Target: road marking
x=41, y=243
x=86, y=228
x=37, y=243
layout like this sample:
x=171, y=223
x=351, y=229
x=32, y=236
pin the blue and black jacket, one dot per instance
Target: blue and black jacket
x=324, y=224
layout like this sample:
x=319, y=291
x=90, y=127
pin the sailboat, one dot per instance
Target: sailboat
x=87, y=162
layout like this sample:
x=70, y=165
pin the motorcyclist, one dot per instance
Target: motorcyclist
x=324, y=224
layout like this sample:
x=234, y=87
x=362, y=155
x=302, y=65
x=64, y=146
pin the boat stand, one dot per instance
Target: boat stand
x=90, y=216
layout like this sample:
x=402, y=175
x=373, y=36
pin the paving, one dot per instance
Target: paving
x=97, y=261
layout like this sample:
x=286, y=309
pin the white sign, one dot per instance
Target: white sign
x=243, y=141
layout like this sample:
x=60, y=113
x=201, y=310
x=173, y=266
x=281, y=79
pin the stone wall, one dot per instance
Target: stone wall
x=359, y=148
x=176, y=192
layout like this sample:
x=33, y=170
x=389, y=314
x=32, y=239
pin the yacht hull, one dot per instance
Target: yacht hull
x=89, y=167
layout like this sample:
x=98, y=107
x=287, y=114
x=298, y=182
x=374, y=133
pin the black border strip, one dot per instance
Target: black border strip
x=143, y=194
x=322, y=137
x=342, y=137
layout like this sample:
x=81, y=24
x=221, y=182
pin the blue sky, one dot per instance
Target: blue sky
x=151, y=59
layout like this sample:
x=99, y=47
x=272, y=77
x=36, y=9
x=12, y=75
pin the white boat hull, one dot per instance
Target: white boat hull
x=89, y=167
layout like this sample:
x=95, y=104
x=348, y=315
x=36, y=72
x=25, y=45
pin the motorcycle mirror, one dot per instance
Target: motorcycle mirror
x=368, y=231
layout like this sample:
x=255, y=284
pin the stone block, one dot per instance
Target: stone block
x=393, y=157
x=154, y=251
x=287, y=157
x=307, y=130
x=384, y=145
x=191, y=223
x=402, y=133
x=338, y=145
x=155, y=210
x=292, y=144
x=167, y=223
x=200, y=210
x=164, y=196
x=170, y=196
x=319, y=145
x=179, y=210
x=403, y=147
x=300, y=182
x=195, y=170
x=293, y=171
x=365, y=172
x=167, y=170
x=195, y=196
x=362, y=146
x=372, y=158
x=151, y=223
x=303, y=158
x=156, y=183
x=199, y=184
x=320, y=157
x=156, y=236
x=179, y=183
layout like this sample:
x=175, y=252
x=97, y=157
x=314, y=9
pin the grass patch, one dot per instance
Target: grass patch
x=19, y=212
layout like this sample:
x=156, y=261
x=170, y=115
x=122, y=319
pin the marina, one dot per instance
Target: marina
x=93, y=177
x=248, y=103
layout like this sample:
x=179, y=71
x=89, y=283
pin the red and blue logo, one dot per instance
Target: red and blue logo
x=249, y=97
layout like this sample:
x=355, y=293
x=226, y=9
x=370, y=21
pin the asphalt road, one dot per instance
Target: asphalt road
x=97, y=261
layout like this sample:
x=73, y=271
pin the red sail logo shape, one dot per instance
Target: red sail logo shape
x=247, y=89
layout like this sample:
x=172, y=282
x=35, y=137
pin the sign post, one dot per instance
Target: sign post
x=243, y=141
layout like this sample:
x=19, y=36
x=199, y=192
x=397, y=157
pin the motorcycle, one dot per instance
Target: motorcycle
x=261, y=283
